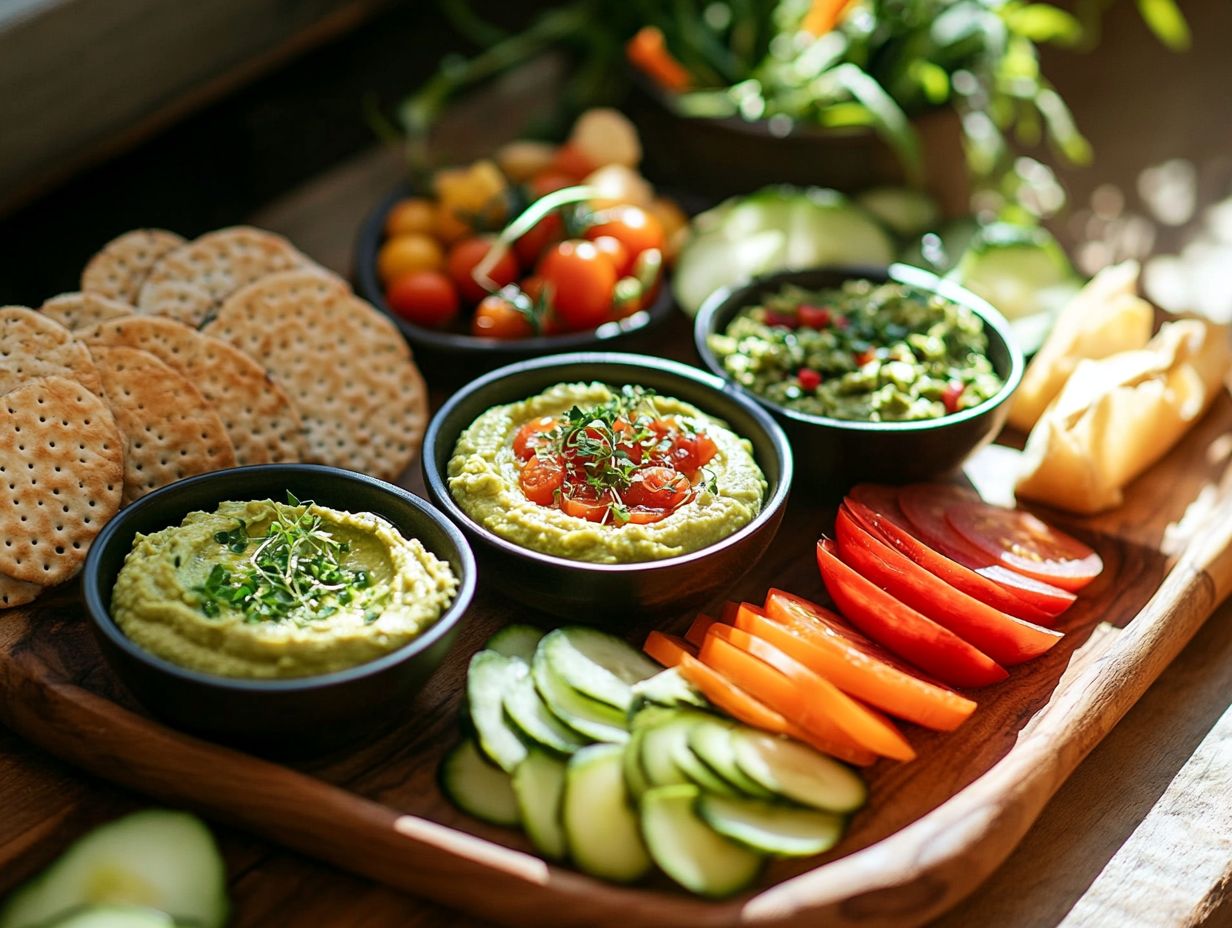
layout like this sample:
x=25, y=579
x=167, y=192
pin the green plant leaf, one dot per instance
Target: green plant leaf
x=1043, y=22
x=1164, y=18
x=889, y=119
x=1061, y=128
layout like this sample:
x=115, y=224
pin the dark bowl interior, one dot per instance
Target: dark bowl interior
x=834, y=454
x=454, y=356
x=306, y=713
x=608, y=593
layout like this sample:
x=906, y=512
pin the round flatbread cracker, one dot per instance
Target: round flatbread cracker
x=170, y=430
x=119, y=270
x=261, y=420
x=61, y=473
x=363, y=401
x=33, y=345
x=191, y=282
x=17, y=592
x=81, y=310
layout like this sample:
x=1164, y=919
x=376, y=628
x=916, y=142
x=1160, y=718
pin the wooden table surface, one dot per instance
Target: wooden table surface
x=1140, y=836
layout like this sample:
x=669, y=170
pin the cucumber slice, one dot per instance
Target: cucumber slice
x=163, y=860
x=668, y=760
x=113, y=916
x=713, y=744
x=666, y=688
x=906, y=212
x=535, y=721
x=515, y=641
x=631, y=763
x=601, y=828
x=477, y=787
x=489, y=678
x=539, y=786
x=690, y=851
x=596, y=664
x=797, y=772
x=772, y=828
x=588, y=717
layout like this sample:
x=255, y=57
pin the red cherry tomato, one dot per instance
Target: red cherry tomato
x=616, y=252
x=572, y=162
x=585, y=507
x=496, y=317
x=582, y=281
x=547, y=231
x=636, y=229
x=426, y=298
x=689, y=453
x=549, y=180
x=657, y=487
x=541, y=479
x=814, y=317
x=532, y=435
x=461, y=266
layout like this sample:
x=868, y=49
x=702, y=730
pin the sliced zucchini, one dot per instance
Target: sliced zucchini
x=596, y=664
x=713, y=744
x=489, y=678
x=601, y=827
x=113, y=916
x=906, y=212
x=666, y=688
x=588, y=717
x=771, y=827
x=531, y=716
x=515, y=641
x=478, y=787
x=539, y=787
x=668, y=760
x=635, y=773
x=797, y=772
x=690, y=851
x=162, y=860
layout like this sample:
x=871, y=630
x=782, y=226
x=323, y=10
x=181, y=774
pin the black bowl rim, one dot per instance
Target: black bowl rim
x=100, y=614
x=774, y=432
x=368, y=243
x=704, y=326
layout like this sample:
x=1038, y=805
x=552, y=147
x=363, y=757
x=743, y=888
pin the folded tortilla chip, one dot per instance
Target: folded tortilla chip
x=1104, y=318
x=1117, y=416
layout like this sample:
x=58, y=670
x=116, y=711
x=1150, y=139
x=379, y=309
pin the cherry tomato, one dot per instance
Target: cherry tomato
x=572, y=162
x=547, y=231
x=496, y=317
x=548, y=181
x=532, y=435
x=585, y=506
x=406, y=253
x=461, y=265
x=655, y=487
x=414, y=214
x=582, y=281
x=814, y=317
x=616, y=252
x=689, y=453
x=808, y=378
x=951, y=396
x=636, y=229
x=541, y=479
x=426, y=298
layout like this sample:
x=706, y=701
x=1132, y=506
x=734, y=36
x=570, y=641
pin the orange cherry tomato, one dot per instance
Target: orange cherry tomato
x=532, y=435
x=414, y=214
x=425, y=298
x=547, y=231
x=617, y=253
x=541, y=480
x=466, y=254
x=657, y=487
x=496, y=317
x=582, y=280
x=405, y=253
x=636, y=229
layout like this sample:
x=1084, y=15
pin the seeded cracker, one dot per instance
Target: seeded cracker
x=32, y=345
x=362, y=399
x=261, y=420
x=17, y=592
x=170, y=430
x=61, y=463
x=118, y=271
x=80, y=310
x=191, y=282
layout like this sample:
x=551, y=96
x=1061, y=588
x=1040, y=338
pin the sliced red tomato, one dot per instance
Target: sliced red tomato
x=827, y=705
x=1026, y=544
x=826, y=643
x=532, y=435
x=697, y=630
x=1002, y=637
x=667, y=649
x=657, y=487
x=911, y=636
x=541, y=480
x=581, y=507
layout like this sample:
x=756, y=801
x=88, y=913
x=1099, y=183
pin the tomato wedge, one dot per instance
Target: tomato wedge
x=900, y=628
x=697, y=631
x=1026, y=544
x=667, y=649
x=827, y=704
x=1002, y=637
x=773, y=689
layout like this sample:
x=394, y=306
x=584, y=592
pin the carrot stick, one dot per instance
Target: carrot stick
x=647, y=51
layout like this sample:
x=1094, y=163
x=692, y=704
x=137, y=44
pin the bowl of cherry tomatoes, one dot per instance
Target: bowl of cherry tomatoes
x=540, y=249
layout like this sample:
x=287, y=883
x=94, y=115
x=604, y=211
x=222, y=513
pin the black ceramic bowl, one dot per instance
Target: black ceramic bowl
x=289, y=714
x=454, y=356
x=582, y=591
x=833, y=454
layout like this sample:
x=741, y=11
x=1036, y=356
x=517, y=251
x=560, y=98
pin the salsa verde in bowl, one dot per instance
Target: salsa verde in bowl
x=889, y=374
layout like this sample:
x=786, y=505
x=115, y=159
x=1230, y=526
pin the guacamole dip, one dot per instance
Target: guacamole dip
x=608, y=475
x=874, y=352
x=264, y=590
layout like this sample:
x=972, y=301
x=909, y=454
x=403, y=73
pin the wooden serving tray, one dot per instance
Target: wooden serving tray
x=932, y=830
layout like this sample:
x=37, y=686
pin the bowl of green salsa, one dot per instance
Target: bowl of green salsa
x=888, y=374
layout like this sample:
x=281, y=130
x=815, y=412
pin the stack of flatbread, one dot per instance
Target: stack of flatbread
x=181, y=357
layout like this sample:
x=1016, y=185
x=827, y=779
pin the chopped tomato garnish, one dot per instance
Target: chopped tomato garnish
x=532, y=435
x=542, y=478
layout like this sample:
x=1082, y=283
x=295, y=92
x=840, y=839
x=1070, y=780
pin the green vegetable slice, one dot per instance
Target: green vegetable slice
x=539, y=787
x=770, y=827
x=600, y=825
x=596, y=664
x=477, y=787
x=488, y=679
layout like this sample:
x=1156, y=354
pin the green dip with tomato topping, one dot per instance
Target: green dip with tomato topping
x=864, y=351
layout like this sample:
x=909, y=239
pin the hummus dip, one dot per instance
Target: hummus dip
x=266, y=590
x=604, y=513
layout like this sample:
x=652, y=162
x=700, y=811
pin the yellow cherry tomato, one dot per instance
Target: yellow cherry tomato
x=414, y=214
x=406, y=253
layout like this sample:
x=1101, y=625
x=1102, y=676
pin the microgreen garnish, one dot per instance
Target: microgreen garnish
x=295, y=572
